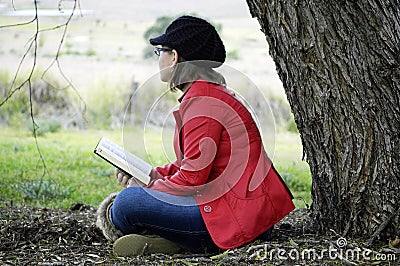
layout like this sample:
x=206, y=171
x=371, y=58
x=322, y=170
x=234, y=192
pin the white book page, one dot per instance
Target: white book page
x=132, y=160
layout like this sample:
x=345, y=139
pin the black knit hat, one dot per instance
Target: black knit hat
x=194, y=39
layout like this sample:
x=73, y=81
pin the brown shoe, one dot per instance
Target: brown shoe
x=134, y=245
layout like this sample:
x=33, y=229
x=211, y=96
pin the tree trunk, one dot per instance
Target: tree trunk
x=339, y=62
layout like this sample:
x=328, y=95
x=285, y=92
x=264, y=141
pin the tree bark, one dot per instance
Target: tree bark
x=339, y=62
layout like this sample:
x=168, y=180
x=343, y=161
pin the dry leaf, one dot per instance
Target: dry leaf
x=395, y=242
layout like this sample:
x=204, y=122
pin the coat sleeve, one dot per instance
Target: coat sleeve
x=168, y=169
x=200, y=139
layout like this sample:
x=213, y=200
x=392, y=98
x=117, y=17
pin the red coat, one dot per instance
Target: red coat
x=222, y=163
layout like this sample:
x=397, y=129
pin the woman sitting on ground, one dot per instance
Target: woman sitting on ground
x=222, y=191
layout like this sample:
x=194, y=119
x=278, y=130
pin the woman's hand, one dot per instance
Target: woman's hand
x=124, y=180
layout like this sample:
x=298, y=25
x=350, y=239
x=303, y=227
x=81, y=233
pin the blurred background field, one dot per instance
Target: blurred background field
x=74, y=174
x=114, y=88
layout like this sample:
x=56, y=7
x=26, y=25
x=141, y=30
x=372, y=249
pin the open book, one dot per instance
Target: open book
x=124, y=160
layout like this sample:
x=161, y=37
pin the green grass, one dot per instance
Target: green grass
x=74, y=174
x=295, y=172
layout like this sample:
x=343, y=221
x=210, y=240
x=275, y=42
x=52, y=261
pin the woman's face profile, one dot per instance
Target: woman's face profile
x=166, y=62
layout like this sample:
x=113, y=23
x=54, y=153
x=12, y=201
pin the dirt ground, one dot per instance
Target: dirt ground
x=35, y=236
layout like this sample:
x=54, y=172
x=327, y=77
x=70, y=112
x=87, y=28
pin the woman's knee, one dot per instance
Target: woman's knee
x=128, y=196
x=126, y=208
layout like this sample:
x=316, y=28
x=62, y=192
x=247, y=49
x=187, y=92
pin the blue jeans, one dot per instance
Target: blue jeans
x=176, y=218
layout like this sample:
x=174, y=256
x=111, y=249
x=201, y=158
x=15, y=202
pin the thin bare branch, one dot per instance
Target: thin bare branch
x=56, y=59
x=18, y=24
x=12, y=91
x=28, y=81
x=31, y=41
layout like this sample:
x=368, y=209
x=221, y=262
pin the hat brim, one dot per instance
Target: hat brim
x=160, y=40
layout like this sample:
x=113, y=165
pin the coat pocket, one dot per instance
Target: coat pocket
x=254, y=215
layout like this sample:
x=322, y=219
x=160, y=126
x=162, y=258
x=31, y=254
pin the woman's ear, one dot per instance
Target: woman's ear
x=175, y=57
